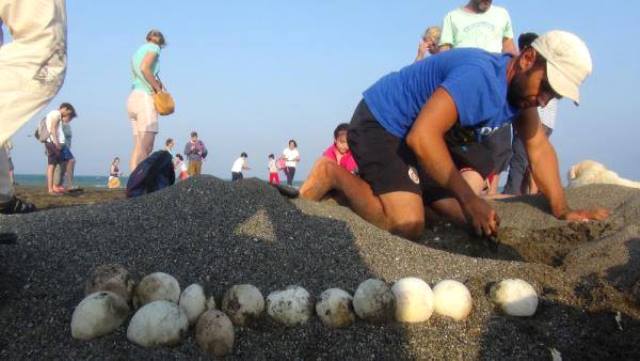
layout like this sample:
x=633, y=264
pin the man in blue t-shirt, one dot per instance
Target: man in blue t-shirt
x=402, y=131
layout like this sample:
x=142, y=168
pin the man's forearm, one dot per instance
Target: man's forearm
x=437, y=162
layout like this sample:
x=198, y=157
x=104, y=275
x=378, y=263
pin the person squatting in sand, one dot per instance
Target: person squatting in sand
x=32, y=68
x=145, y=66
x=401, y=131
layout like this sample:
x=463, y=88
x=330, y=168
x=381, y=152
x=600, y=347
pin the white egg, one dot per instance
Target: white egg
x=193, y=302
x=335, y=308
x=113, y=278
x=374, y=301
x=214, y=333
x=159, y=323
x=291, y=306
x=243, y=304
x=515, y=297
x=98, y=314
x=414, y=300
x=452, y=299
x=156, y=287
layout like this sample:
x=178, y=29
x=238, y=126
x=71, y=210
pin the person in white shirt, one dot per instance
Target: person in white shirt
x=519, y=180
x=238, y=166
x=292, y=157
x=57, y=150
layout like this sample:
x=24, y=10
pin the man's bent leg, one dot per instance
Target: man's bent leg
x=401, y=213
x=404, y=214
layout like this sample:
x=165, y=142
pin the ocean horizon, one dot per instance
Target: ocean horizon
x=84, y=181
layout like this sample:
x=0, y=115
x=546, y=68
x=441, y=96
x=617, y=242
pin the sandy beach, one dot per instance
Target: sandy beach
x=219, y=234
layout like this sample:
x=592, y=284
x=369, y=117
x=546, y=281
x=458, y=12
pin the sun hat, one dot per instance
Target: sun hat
x=568, y=62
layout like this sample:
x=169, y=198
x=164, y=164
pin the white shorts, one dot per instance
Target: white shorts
x=142, y=112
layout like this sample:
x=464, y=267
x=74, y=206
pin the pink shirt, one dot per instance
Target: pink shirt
x=347, y=162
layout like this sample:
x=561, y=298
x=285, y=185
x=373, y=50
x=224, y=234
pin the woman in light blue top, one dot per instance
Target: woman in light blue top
x=145, y=65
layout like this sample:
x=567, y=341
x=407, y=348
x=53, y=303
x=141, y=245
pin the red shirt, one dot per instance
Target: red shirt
x=347, y=162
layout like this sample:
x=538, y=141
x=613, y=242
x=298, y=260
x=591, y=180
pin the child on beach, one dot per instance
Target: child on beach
x=339, y=151
x=181, y=167
x=114, y=174
x=238, y=166
x=274, y=178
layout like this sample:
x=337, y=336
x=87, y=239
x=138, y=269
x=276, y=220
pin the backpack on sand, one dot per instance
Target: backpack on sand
x=152, y=174
x=42, y=132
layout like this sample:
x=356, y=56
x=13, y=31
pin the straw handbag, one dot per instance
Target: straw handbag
x=164, y=103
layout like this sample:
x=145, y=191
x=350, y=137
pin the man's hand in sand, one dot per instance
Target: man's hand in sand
x=481, y=217
x=585, y=215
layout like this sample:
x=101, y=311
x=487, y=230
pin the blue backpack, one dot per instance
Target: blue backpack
x=152, y=174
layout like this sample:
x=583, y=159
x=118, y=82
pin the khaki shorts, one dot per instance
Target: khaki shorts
x=142, y=112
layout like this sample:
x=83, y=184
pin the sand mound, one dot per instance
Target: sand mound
x=220, y=234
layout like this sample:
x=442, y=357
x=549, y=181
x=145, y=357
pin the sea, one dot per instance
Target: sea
x=82, y=181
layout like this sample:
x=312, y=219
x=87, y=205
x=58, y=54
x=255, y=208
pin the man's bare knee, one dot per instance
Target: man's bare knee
x=408, y=228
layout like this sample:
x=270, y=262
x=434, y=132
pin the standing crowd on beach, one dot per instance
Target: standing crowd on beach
x=433, y=137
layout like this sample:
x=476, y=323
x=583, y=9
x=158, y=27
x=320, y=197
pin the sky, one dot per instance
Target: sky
x=250, y=75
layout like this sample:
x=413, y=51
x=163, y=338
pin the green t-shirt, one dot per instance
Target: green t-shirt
x=139, y=82
x=462, y=29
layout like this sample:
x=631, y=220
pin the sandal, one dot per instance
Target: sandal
x=287, y=191
x=17, y=206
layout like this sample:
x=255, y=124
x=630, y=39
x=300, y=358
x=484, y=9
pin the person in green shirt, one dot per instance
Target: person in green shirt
x=145, y=66
x=479, y=24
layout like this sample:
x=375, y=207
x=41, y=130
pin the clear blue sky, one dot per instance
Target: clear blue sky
x=249, y=75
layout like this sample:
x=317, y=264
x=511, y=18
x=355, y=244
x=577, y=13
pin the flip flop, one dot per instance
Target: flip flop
x=74, y=190
x=17, y=206
x=287, y=191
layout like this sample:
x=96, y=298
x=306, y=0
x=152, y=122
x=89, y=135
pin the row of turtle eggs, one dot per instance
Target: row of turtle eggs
x=164, y=314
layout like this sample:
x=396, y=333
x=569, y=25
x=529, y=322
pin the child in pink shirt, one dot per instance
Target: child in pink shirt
x=339, y=150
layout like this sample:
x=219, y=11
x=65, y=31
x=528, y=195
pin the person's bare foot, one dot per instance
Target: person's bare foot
x=319, y=181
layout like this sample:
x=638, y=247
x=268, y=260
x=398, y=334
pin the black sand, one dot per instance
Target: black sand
x=219, y=234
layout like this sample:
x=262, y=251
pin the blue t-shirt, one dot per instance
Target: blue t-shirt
x=139, y=81
x=474, y=78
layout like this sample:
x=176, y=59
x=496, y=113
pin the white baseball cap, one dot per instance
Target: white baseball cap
x=568, y=62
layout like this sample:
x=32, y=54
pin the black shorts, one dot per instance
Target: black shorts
x=387, y=164
x=54, y=155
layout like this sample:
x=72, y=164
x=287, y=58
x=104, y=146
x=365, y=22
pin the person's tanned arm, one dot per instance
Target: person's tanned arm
x=545, y=171
x=426, y=139
x=54, y=132
x=509, y=47
x=145, y=68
